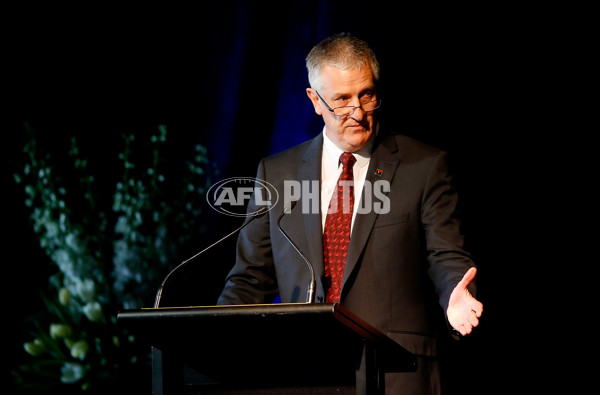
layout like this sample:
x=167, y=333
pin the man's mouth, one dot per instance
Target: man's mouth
x=357, y=127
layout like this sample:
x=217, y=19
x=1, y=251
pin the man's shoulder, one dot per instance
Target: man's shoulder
x=296, y=152
x=408, y=146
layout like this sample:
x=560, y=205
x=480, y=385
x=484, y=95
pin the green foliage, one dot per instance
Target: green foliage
x=109, y=255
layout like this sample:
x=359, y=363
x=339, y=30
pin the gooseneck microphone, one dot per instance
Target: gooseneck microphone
x=310, y=294
x=257, y=214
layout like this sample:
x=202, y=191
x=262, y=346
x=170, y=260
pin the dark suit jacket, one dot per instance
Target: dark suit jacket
x=401, y=266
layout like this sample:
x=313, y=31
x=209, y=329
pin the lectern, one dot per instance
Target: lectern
x=265, y=349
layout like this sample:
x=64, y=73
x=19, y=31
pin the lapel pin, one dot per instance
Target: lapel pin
x=379, y=173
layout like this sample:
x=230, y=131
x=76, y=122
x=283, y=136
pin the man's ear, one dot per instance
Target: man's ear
x=314, y=98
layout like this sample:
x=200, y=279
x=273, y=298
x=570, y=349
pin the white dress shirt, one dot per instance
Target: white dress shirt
x=331, y=168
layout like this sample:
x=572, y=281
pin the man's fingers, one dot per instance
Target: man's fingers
x=467, y=278
x=466, y=329
x=473, y=319
x=477, y=308
x=468, y=323
x=464, y=310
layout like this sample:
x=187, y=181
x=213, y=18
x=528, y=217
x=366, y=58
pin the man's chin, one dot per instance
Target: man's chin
x=358, y=140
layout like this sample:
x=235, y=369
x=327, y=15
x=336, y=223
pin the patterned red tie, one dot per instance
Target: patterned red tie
x=336, y=235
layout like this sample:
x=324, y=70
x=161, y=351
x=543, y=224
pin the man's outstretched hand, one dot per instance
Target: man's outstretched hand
x=464, y=310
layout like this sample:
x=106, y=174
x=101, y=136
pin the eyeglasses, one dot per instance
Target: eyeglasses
x=346, y=111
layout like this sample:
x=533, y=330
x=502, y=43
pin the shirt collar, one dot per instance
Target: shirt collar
x=333, y=152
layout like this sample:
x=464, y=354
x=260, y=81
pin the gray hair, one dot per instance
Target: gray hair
x=342, y=51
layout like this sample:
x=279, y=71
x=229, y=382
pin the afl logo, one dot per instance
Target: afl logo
x=231, y=196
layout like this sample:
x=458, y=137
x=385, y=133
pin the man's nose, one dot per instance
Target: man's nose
x=358, y=114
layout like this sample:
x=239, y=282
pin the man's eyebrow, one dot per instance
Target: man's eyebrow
x=370, y=89
x=344, y=95
x=340, y=95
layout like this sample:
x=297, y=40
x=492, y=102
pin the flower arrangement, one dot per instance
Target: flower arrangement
x=108, y=256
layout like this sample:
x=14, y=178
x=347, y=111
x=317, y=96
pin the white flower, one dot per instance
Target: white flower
x=35, y=347
x=51, y=229
x=62, y=222
x=93, y=311
x=64, y=296
x=60, y=330
x=72, y=241
x=86, y=289
x=71, y=372
x=122, y=225
x=79, y=349
x=62, y=259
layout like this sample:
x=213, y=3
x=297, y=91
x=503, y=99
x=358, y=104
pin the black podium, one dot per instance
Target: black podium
x=265, y=349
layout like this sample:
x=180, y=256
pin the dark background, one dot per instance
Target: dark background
x=232, y=77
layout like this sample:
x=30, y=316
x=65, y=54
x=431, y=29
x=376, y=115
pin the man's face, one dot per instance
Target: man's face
x=346, y=88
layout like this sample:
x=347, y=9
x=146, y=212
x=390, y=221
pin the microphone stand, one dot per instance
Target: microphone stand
x=310, y=294
x=259, y=213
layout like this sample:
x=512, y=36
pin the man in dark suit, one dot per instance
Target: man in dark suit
x=402, y=264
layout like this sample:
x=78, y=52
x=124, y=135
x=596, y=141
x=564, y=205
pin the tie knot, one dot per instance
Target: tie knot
x=347, y=159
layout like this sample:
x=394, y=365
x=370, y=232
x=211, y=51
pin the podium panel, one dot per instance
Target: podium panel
x=265, y=349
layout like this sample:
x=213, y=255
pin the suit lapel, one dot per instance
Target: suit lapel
x=310, y=170
x=382, y=166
